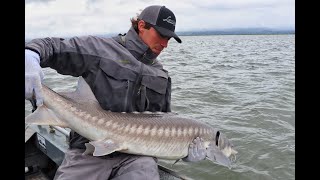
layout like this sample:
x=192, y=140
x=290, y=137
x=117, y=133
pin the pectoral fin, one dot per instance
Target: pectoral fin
x=44, y=116
x=103, y=147
x=214, y=154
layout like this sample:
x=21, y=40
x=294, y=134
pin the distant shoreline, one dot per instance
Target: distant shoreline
x=217, y=34
x=239, y=31
x=253, y=31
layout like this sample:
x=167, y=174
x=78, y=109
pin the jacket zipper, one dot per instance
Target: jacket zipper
x=127, y=95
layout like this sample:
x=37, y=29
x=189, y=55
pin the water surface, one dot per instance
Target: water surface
x=243, y=85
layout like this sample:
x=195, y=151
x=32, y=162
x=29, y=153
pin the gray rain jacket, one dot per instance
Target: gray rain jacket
x=123, y=73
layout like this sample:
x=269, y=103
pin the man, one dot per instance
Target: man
x=124, y=75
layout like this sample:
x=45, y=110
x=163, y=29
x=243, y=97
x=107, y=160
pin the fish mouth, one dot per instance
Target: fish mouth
x=225, y=157
x=214, y=154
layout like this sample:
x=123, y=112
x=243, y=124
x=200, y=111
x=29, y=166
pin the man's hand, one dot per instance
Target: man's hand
x=33, y=77
x=196, y=152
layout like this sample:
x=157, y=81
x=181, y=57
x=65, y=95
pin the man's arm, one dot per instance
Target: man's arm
x=74, y=56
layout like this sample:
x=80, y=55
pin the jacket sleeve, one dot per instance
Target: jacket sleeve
x=75, y=56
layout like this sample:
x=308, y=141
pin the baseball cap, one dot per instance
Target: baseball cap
x=162, y=19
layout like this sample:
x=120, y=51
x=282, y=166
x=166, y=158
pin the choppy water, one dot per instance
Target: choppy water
x=243, y=85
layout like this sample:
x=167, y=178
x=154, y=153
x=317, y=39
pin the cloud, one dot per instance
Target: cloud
x=37, y=1
x=83, y=17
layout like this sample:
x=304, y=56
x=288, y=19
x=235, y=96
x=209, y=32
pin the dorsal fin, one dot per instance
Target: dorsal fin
x=82, y=93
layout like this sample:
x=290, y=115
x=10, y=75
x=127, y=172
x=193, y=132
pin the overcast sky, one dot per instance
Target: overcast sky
x=83, y=17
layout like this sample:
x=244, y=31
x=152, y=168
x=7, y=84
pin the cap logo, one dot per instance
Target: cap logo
x=170, y=21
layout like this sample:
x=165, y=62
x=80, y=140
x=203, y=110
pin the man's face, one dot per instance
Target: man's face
x=152, y=38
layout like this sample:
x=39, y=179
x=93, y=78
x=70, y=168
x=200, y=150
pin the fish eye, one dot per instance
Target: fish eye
x=217, y=138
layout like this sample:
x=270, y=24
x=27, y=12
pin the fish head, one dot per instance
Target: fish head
x=220, y=150
x=225, y=146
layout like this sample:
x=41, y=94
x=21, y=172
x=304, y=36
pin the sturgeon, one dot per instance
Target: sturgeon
x=157, y=134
